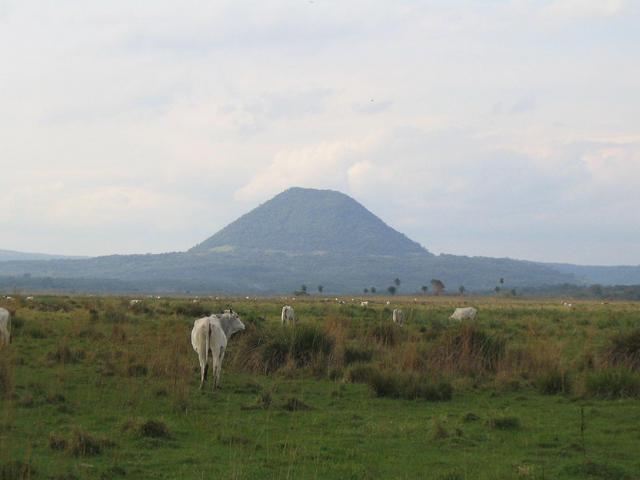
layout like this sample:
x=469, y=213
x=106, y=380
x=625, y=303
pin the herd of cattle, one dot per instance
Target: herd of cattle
x=210, y=335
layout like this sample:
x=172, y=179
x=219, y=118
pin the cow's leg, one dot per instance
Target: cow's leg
x=219, y=366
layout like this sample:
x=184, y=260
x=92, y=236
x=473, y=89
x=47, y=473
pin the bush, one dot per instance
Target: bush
x=353, y=354
x=6, y=374
x=613, y=383
x=624, y=350
x=554, y=382
x=147, y=428
x=299, y=345
x=385, y=333
x=192, y=310
x=64, y=354
x=504, y=423
x=17, y=469
x=153, y=429
x=360, y=373
x=409, y=387
x=467, y=349
x=83, y=444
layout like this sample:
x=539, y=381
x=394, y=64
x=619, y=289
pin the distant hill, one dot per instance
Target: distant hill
x=10, y=255
x=301, y=236
x=304, y=220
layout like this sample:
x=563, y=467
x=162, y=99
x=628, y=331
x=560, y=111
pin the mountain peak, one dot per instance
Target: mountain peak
x=305, y=220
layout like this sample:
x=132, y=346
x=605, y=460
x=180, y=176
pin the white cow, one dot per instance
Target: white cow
x=211, y=334
x=466, y=313
x=288, y=316
x=364, y=304
x=398, y=316
x=133, y=302
x=5, y=327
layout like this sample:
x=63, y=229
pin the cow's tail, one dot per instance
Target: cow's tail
x=206, y=343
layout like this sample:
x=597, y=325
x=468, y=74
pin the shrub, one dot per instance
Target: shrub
x=299, y=345
x=114, y=315
x=624, y=350
x=467, y=349
x=385, y=333
x=360, y=373
x=504, y=423
x=292, y=404
x=64, y=354
x=153, y=429
x=57, y=442
x=613, y=383
x=410, y=387
x=353, y=354
x=6, y=374
x=192, y=310
x=17, y=469
x=554, y=382
x=83, y=444
x=147, y=428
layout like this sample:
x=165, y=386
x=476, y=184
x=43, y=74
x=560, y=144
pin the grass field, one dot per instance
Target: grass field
x=93, y=387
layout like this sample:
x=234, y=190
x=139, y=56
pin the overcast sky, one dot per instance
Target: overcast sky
x=498, y=128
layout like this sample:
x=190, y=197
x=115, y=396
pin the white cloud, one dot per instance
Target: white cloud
x=133, y=127
x=571, y=9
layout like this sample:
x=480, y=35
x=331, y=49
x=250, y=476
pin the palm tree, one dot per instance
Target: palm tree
x=392, y=290
x=373, y=289
x=425, y=289
x=366, y=290
x=320, y=288
x=397, y=282
x=461, y=289
x=303, y=288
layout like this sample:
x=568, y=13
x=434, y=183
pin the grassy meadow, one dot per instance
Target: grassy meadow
x=97, y=388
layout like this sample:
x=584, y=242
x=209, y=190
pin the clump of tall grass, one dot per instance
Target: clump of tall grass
x=468, y=350
x=190, y=309
x=613, y=383
x=408, y=386
x=147, y=428
x=269, y=350
x=553, y=382
x=386, y=333
x=623, y=349
x=355, y=353
x=64, y=354
x=6, y=374
x=80, y=443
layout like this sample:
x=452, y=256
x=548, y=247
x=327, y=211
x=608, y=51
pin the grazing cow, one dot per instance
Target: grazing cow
x=210, y=334
x=5, y=327
x=466, y=313
x=29, y=299
x=207, y=336
x=288, y=316
x=388, y=302
x=398, y=316
x=364, y=304
x=133, y=302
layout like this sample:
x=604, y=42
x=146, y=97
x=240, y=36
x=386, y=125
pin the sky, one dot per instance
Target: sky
x=506, y=128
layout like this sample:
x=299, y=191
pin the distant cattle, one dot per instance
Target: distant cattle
x=211, y=334
x=398, y=316
x=364, y=304
x=466, y=313
x=133, y=302
x=288, y=316
x=568, y=305
x=5, y=327
x=29, y=299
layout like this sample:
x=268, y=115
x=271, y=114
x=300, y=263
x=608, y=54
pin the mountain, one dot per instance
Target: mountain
x=301, y=236
x=304, y=220
x=10, y=255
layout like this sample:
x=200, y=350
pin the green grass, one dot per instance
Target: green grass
x=98, y=395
